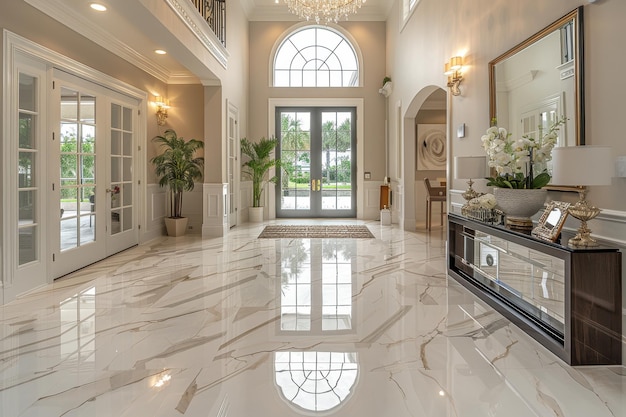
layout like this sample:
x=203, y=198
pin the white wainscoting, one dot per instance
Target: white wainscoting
x=215, y=213
x=245, y=201
x=157, y=208
x=371, y=200
x=156, y=205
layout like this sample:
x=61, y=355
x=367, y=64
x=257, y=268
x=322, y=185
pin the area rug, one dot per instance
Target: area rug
x=308, y=232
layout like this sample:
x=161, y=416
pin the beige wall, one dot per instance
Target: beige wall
x=370, y=39
x=483, y=29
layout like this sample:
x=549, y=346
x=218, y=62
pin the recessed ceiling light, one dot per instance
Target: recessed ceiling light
x=160, y=51
x=98, y=7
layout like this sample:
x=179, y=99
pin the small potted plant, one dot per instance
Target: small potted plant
x=177, y=169
x=257, y=168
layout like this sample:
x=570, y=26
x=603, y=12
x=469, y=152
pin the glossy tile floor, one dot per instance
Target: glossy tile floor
x=242, y=327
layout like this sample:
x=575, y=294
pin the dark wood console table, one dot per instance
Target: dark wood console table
x=570, y=300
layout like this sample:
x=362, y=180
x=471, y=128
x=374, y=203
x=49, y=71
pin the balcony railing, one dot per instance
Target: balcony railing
x=214, y=12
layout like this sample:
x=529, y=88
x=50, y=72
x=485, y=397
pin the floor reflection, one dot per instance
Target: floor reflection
x=316, y=284
x=315, y=381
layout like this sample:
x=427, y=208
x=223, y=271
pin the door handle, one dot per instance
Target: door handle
x=316, y=185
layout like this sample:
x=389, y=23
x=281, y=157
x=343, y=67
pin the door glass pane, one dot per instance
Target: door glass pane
x=69, y=232
x=128, y=119
x=295, y=137
x=116, y=169
x=121, y=169
x=28, y=244
x=77, y=168
x=336, y=160
x=27, y=130
x=128, y=144
x=27, y=207
x=87, y=109
x=116, y=142
x=295, y=300
x=27, y=169
x=28, y=93
x=115, y=222
x=116, y=116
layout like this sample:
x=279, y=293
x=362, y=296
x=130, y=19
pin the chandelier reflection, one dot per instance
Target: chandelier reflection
x=324, y=10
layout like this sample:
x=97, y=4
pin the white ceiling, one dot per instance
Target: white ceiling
x=125, y=30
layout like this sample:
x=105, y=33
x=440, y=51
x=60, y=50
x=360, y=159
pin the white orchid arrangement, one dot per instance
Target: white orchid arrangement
x=515, y=160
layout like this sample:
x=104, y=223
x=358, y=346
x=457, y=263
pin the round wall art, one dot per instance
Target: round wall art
x=431, y=147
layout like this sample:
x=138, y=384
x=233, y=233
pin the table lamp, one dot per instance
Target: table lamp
x=468, y=167
x=582, y=166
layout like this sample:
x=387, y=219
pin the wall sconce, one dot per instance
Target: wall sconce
x=162, y=104
x=454, y=71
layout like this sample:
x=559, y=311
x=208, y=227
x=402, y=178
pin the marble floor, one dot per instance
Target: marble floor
x=242, y=327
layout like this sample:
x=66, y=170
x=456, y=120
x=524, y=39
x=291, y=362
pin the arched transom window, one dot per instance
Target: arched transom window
x=316, y=56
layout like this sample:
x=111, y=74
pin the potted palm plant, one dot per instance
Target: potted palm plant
x=257, y=168
x=177, y=169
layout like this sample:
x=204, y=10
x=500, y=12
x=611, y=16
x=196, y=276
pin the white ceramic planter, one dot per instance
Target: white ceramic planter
x=176, y=227
x=255, y=214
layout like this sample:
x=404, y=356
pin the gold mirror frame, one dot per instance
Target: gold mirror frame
x=575, y=16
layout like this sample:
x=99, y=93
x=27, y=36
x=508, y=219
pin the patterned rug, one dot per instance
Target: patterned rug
x=307, y=232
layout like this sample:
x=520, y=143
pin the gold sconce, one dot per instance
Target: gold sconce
x=162, y=104
x=454, y=71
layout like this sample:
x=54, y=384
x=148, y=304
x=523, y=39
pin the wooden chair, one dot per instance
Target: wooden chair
x=433, y=194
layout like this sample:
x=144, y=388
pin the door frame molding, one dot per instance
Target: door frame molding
x=270, y=196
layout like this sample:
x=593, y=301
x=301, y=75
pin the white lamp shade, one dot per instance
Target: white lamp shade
x=582, y=165
x=470, y=167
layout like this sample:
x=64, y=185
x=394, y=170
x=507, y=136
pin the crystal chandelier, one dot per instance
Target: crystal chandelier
x=324, y=10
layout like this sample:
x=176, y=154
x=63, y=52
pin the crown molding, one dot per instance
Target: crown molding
x=72, y=19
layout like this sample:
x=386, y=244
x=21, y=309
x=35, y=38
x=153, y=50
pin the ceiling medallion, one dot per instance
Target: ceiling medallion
x=324, y=10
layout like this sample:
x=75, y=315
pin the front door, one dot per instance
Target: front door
x=317, y=147
x=91, y=165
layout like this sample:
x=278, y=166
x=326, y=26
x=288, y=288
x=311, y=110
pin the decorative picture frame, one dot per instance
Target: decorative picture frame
x=551, y=221
x=431, y=147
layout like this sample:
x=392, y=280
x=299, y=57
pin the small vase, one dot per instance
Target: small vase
x=520, y=205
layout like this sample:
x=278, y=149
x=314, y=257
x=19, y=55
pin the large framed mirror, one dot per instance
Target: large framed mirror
x=541, y=80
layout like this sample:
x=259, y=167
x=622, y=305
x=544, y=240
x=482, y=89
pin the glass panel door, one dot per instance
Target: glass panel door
x=77, y=235
x=120, y=184
x=296, y=182
x=338, y=169
x=317, y=147
x=93, y=165
x=77, y=168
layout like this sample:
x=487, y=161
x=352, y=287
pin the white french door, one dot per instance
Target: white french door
x=233, y=165
x=91, y=160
